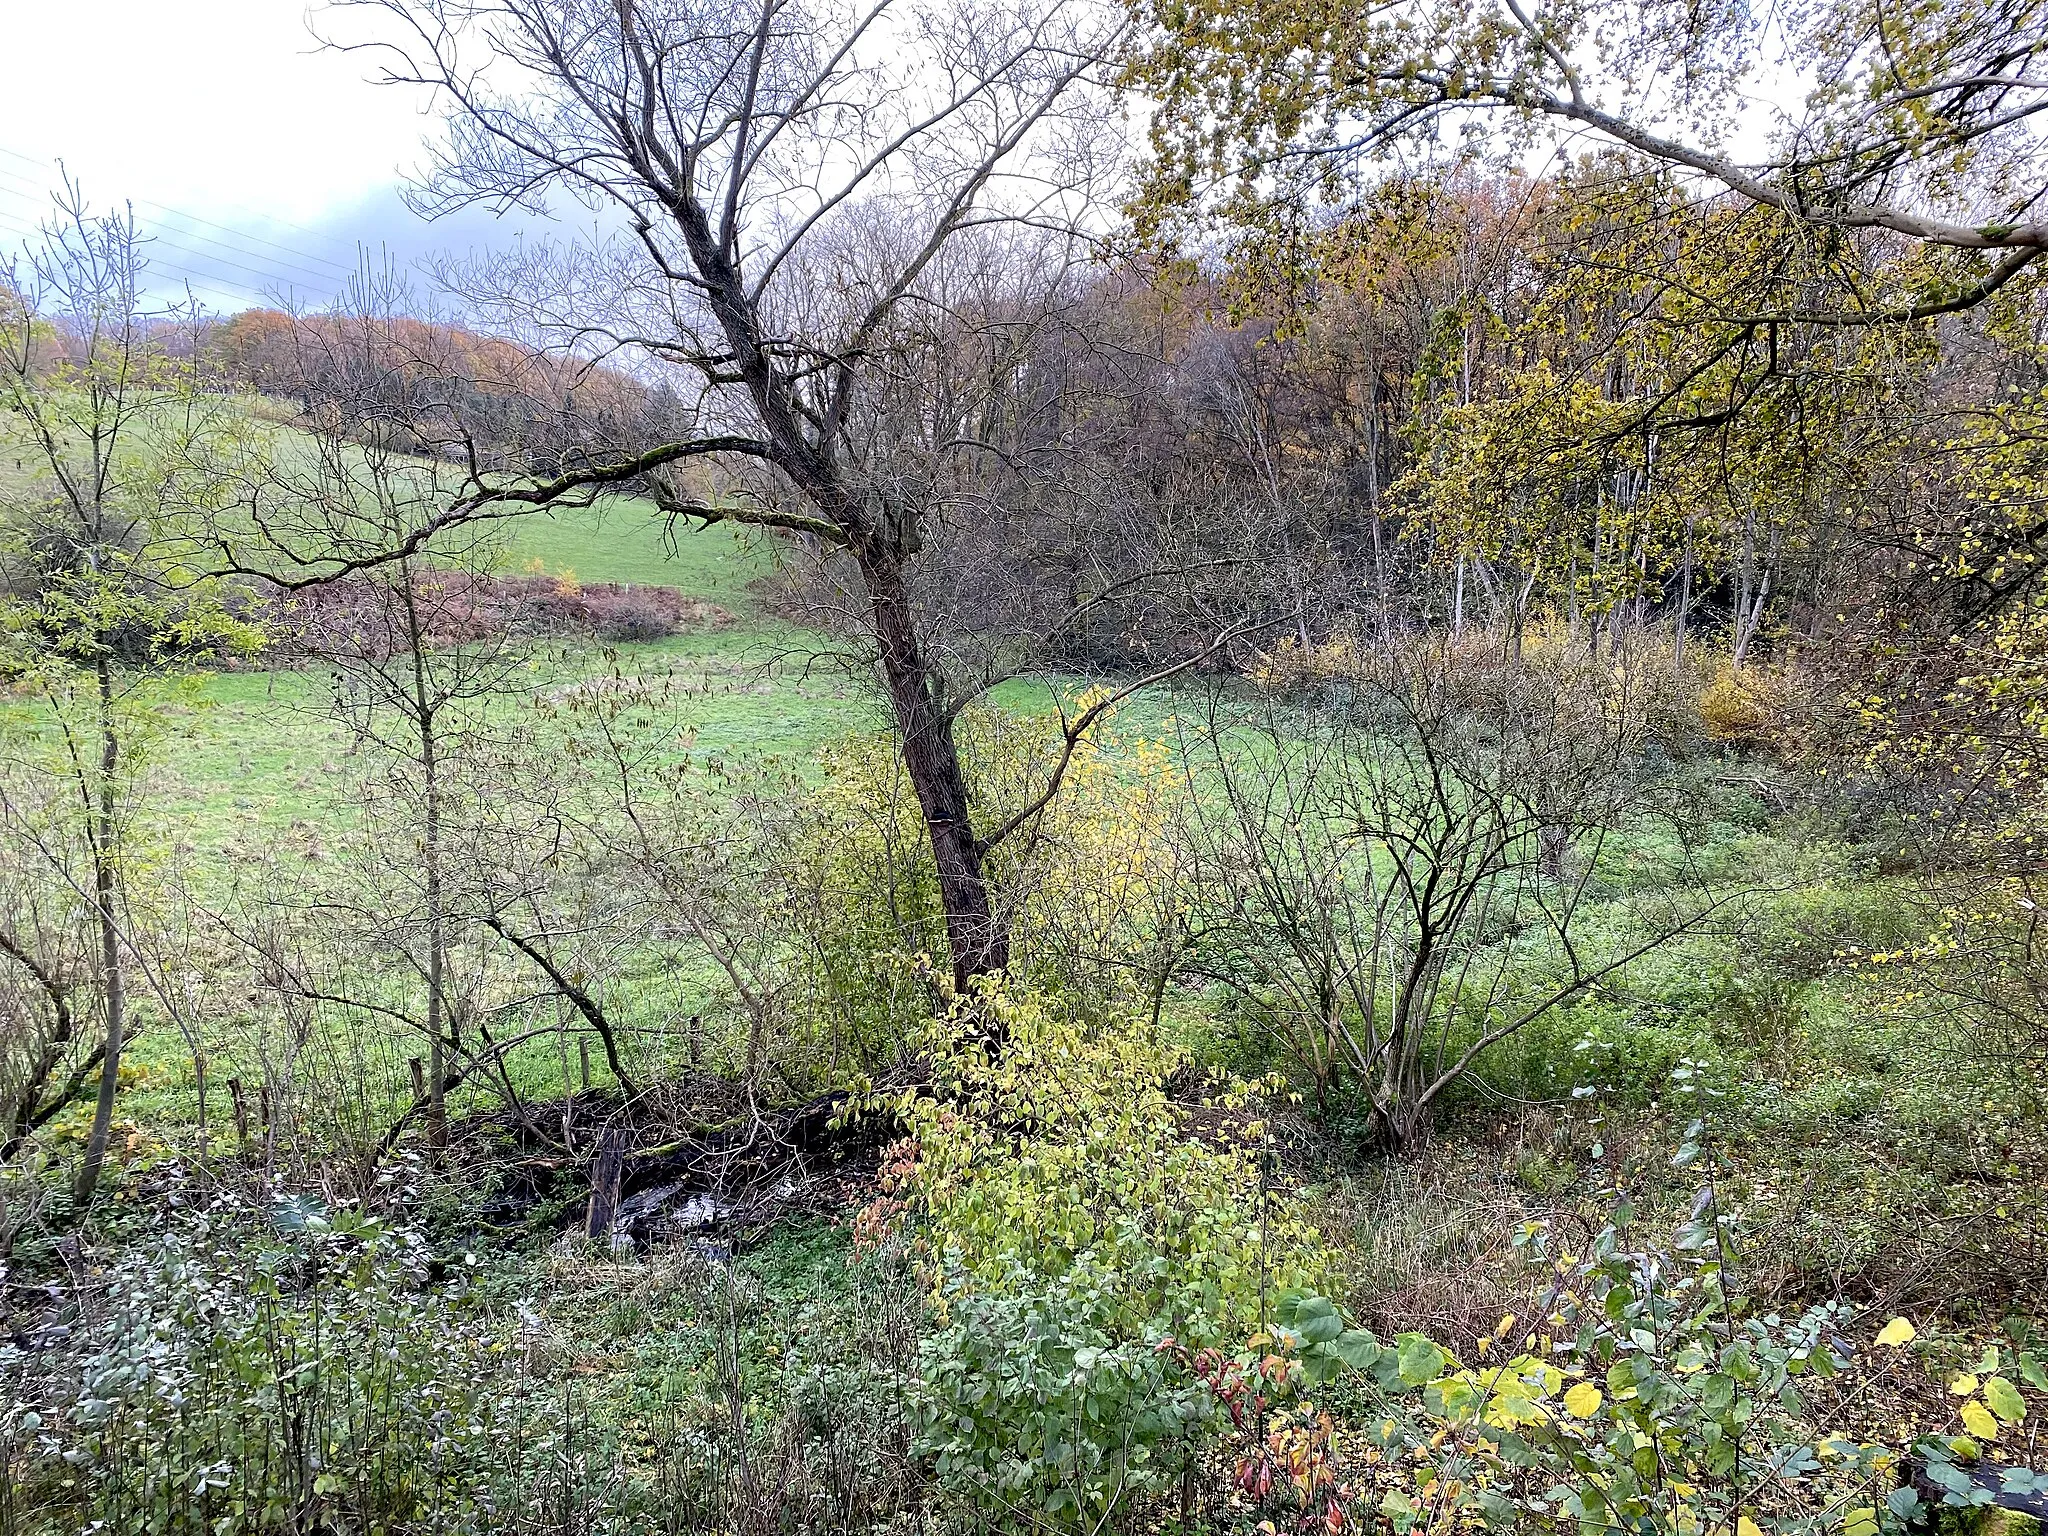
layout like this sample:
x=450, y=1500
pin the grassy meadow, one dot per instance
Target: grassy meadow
x=261, y=747
x=1859, y=1141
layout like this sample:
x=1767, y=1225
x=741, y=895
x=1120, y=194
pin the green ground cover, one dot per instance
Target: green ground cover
x=1817, y=1085
x=261, y=747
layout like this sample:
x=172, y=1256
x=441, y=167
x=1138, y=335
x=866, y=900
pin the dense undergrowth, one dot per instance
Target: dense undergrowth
x=1735, y=1233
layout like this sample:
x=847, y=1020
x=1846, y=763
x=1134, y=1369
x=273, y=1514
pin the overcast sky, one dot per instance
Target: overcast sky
x=259, y=161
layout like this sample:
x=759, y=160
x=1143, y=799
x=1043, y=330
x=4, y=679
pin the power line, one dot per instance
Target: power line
x=257, y=261
x=48, y=165
x=212, y=280
x=276, y=272
x=152, y=263
x=245, y=235
x=193, y=218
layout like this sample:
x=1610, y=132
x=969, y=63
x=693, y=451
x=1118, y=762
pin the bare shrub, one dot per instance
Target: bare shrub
x=1427, y=862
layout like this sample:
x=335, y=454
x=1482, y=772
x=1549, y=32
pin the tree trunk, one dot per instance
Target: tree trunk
x=1379, y=553
x=106, y=893
x=430, y=852
x=1684, y=602
x=979, y=944
x=606, y=1177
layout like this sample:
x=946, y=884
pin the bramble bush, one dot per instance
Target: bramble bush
x=312, y=1376
x=1048, y=1404
x=1647, y=1396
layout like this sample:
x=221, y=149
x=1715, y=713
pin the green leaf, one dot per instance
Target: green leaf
x=1420, y=1360
x=1717, y=1393
x=1458, y=1399
x=1317, y=1321
x=2005, y=1400
x=1356, y=1347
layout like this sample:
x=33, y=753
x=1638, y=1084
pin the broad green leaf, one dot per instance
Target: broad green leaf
x=2004, y=1399
x=1717, y=1393
x=1420, y=1360
x=1320, y=1327
x=1356, y=1348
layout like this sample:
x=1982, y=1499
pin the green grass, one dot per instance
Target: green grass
x=262, y=748
x=629, y=541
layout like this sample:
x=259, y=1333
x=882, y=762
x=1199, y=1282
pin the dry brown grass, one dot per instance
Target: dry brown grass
x=1429, y=1238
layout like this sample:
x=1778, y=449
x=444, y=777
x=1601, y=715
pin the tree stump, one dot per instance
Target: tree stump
x=605, y=1176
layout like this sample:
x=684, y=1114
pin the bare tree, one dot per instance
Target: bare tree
x=792, y=175
x=416, y=648
x=48, y=1051
x=125, y=442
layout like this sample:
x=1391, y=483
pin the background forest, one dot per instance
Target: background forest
x=1228, y=767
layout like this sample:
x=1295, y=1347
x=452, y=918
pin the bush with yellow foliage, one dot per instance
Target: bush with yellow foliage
x=1078, y=1227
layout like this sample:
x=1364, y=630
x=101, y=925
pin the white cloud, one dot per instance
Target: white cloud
x=216, y=106
x=257, y=160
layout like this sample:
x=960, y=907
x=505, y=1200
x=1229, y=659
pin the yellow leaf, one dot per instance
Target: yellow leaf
x=1583, y=1401
x=1896, y=1334
x=1963, y=1385
x=1978, y=1420
x=1744, y=1526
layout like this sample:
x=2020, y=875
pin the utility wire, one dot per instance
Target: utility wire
x=277, y=276
x=206, y=249
x=46, y=165
x=212, y=280
x=257, y=261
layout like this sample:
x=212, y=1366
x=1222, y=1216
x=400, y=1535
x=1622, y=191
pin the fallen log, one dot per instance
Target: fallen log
x=737, y=1176
x=1993, y=1498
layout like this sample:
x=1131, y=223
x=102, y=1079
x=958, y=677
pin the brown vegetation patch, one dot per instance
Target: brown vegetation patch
x=358, y=611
